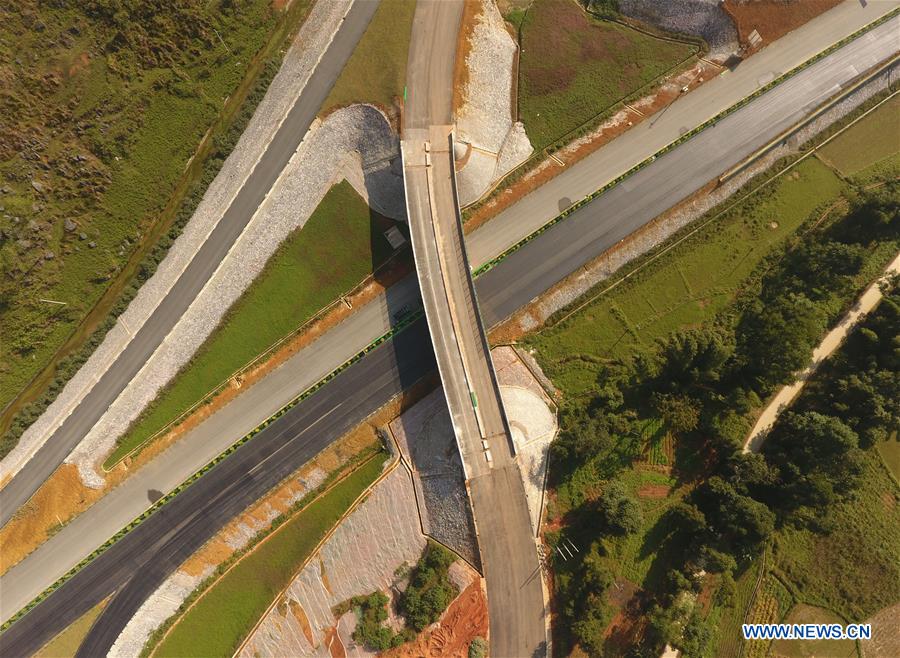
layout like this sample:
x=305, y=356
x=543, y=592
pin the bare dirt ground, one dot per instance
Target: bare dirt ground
x=464, y=620
x=773, y=18
x=885, y=642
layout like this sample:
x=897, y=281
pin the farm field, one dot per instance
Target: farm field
x=868, y=143
x=376, y=72
x=223, y=615
x=574, y=67
x=687, y=285
x=101, y=131
x=338, y=247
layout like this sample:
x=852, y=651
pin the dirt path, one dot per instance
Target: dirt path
x=829, y=344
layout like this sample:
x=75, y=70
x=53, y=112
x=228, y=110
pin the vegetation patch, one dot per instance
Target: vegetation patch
x=376, y=72
x=807, y=614
x=340, y=244
x=105, y=114
x=574, y=67
x=217, y=623
x=871, y=140
x=66, y=643
x=693, y=556
x=426, y=597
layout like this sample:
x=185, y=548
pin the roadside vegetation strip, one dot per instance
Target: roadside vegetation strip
x=341, y=245
x=376, y=72
x=400, y=326
x=556, y=99
x=688, y=135
x=202, y=168
x=866, y=143
x=217, y=621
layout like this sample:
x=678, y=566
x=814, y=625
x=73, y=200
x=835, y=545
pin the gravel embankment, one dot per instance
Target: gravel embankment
x=298, y=64
x=702, y=18
x=318, y=163
x=484, y=119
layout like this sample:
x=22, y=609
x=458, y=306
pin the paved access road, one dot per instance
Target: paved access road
x=285, y=142
x=89, y=530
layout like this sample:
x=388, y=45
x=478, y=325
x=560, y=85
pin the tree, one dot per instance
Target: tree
x=621, y=512
x=680, y=413
x=776, y=339
x=817, y=457
x=693, y=358
x=478, y=647
x=741, y=522
x=429, y=591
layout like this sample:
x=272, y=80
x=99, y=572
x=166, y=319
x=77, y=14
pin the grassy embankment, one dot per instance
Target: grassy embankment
x=340, y=245
x=689, y=286
x=219, y=620
x=574, y=67
x=113, y=118
x=376, y=72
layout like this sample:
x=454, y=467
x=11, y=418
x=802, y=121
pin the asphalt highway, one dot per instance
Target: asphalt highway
x=283, y=145
x=506, y=287
x=135, y=566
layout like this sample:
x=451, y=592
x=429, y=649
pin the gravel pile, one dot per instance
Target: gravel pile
x=314, y=168
x=661, y=231
x=425, y=435
x=702, y=18
x=298, y=64
x=484, y=119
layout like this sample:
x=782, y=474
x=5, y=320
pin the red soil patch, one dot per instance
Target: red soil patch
x=773, y=18
x=471, y=11
x=653, y=491
x=334, y=644
x=464, y=620
x=79, y=63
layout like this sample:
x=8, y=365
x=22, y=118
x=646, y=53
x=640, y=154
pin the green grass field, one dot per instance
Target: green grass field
x=376, y=72
x=870, y=141
x=221, y=618
x=687, y=285
x=336, y=249
x=573, y=67
x=890, y=453
x=110, y=123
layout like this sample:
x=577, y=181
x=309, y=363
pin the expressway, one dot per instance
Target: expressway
x=283, y=145
x=87, y=531
x=517, y=613
x=507, y=286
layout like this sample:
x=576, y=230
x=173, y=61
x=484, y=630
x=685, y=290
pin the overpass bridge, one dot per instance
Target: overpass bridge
x=506, y=539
